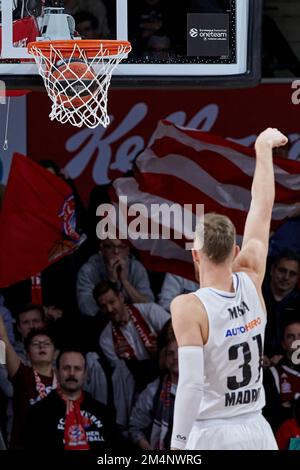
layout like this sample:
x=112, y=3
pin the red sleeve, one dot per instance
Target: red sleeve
x=21, y=373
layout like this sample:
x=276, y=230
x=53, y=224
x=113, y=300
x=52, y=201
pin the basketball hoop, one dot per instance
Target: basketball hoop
x=77, y=75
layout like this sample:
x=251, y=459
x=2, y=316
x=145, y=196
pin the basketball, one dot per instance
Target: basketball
x=74, y=82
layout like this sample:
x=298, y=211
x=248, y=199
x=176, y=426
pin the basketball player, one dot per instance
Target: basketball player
x=220, y=327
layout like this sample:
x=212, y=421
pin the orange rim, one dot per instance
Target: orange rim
x=91, y=47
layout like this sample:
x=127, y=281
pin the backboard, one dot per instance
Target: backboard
x=191, y=43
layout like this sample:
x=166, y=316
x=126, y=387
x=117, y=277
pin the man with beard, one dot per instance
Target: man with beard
x=69, y=419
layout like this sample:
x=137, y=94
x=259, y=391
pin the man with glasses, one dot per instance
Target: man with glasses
x=112, y=263
x=30, y=383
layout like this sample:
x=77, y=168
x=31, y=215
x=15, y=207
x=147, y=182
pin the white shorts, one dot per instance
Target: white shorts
x=245, y=432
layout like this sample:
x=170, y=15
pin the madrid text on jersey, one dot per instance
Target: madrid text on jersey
x=242, y=397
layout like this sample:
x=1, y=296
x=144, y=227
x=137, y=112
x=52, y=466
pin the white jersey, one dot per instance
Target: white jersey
x=233, y=352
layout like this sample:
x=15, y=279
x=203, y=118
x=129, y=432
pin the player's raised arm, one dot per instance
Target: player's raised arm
x=252, y=257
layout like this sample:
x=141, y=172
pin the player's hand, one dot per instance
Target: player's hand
x=271, y=137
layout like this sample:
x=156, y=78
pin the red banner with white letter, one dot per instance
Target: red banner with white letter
x=95, y=157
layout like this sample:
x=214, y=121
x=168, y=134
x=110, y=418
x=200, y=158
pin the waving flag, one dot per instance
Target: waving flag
x=187, y=166
x=37, y=221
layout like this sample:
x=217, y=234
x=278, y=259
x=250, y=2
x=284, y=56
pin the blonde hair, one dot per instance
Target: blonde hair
x=219, y=237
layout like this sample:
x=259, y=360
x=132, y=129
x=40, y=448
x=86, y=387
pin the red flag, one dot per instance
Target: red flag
x=37, y=221
x=188, y=166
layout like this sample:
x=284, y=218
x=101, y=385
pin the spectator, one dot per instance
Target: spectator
x=30, y=383
x=288, y=435
x=29, y=317
x=132, y=330
x=87, y=25
x=6, y=393
x=151, y=420
x=282, y=381
x=112, y=263
x=6, y=390
x=151, y=17
x=280, y=293
x=165, y=336
x=112, y=386
x=97, y=378
x=97, y=8
x=131, y=333
x=69, y=419
x=148, y=18
x=8, y=320
x=158, y=47
x=174, y=285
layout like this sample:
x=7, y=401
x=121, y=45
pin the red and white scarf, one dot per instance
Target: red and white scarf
x=141, y=327
x=162, y=413
x=40, y=386
x=74, y=435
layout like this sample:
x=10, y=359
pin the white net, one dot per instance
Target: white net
x=77, y=84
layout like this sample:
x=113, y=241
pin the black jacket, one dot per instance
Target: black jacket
x=45, y=425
